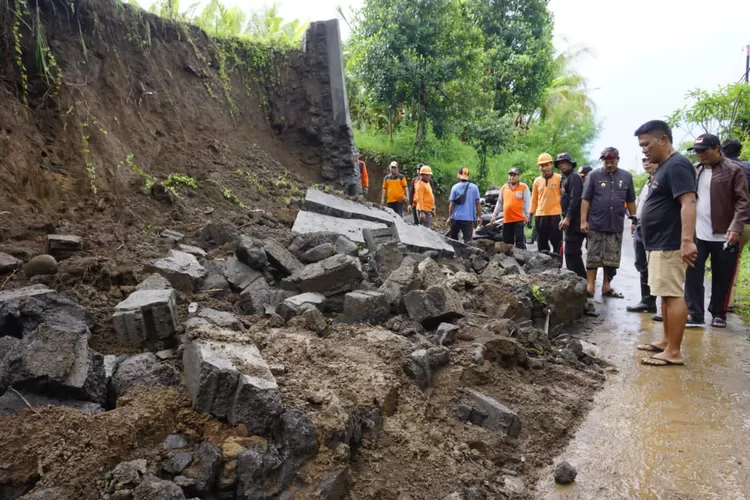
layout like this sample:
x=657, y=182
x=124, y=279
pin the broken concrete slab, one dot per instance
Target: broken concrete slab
x=182, y=270
x=250, y=252
x=331, y=276
x=143, y=369
x=297, y=304
x=318, y=253
x=240, y=275
x=8, y=263
x=327, y=204
x=313, y=222
x=228, y=378
x=25, y=293
x=364, y=306
x=154, y=282
x=146, y=315
x=63, y=246
x=220, y=318
x=499, y=416
x=433, y=306
x=280, y=258
x=422, y=239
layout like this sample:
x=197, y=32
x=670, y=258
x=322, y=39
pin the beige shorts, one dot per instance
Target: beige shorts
x=666, y=273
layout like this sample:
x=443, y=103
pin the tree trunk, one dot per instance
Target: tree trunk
x=421, y=115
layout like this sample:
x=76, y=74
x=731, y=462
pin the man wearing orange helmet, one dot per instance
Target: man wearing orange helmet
x=545, y=205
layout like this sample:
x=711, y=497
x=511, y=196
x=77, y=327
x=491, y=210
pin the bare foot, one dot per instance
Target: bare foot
x=661, y=360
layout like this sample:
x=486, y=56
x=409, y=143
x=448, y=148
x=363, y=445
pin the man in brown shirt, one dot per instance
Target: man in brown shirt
x=722, y=204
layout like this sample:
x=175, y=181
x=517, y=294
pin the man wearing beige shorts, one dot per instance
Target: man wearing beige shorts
x=668, y=227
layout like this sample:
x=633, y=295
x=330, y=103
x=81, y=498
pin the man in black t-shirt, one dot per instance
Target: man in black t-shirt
x=668, y=230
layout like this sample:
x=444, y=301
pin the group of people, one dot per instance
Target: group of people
x=685, y=214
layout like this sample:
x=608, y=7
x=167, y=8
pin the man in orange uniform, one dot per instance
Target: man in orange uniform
x=364, y=180
x=424, y=197
x=394, y=190
x=545, y=205
x=513, y=202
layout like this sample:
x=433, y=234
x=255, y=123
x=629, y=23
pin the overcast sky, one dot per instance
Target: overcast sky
x=648, y=54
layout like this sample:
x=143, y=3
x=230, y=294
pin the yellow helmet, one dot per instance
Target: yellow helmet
x=544, y=158
x=425, y=170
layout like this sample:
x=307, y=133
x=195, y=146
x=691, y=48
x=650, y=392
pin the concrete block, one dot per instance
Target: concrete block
x=62, y=246
x=434, y=305
x=376, y=237
x=334, y=275
x=365, y=306
x=313, y=222
x=295, y=305
x=240, y=275
x=146, y=315
x=499, y=416
x=280, y=258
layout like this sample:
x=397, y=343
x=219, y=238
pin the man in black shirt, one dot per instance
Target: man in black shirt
x=668, y=229
x=570, y=201
x=606, y=193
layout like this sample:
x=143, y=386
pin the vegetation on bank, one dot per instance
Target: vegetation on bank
x=430, y=80
x=742, y=291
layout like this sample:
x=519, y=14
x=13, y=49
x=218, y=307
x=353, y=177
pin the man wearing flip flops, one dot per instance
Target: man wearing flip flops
x=722, y=202
x=668, y=230
x=606, y=193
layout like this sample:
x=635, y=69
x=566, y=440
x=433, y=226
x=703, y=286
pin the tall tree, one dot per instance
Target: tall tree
x=417, y=52
x=518, y=44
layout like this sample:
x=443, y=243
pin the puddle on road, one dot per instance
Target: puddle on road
x=663, y=433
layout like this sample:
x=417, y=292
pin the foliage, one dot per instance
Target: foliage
x=639, y=180
x=488, y=135
x=418, y=58
x=517, y=38
x=742, y=289
x=724, y=112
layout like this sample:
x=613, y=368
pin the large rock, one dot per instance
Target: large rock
x=315, y=224
x=333, y=486
x=305, y=241
x=499, y=417
x=222, y=319
x=205, y=469
x=334, y=275
x=318, y=253
x=364, y=306
x=240, y=275
x=152, y=488
x=540, y=263
x=328, y=204
x=345, y=246
x=182, y=270
x=388, y=258
x=40, y=265
x=62, y=246
x=143, y=369
x=217, y=234
x=298, y=440
x=280, y=258
x=250, y=252
x=8, y=263
x=154, y=282
x=433, y=306
x=401, y=281
x=146, y=315
x=296, y=305
x=44, y=346
x=228, y=378
x=256, y=468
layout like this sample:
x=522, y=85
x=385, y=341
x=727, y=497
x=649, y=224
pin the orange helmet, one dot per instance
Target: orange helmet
x=544, y=158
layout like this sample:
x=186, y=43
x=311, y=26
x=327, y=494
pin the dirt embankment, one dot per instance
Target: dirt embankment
x=133, y=100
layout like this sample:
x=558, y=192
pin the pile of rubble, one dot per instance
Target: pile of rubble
x=350, y=280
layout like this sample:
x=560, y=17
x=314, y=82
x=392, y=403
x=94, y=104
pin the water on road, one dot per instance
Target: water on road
x=662, y=432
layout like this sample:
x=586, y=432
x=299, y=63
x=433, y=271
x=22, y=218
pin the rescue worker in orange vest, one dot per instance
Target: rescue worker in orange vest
x=424, y=197
x=364, y=180
x=545, y=205
x=513, y=202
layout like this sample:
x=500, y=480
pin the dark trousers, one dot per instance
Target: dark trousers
x=641, y=262
x=513, y=234
x=397, y=207
x=573, y=253
x=723, y=269
x=548, y=227
x=415, y=212
x=464, y=226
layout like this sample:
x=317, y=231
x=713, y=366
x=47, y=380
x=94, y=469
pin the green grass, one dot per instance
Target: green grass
x=743, y=287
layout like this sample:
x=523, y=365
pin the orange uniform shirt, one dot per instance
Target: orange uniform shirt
x=513, y=200
x=394, y=187
x=545, y=196
x=364, y=180
x=424, y=197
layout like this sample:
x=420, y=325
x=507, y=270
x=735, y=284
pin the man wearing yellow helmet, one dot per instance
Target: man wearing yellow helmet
x=424, y=197
x=545, y=205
